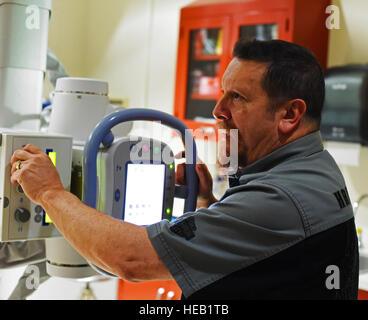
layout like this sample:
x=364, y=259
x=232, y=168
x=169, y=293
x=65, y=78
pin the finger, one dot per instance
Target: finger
x=180, y=155
x=15, y=177
x=14, y=167
x=180, y=174
x=20, y=155
x=201, y=170
x=32, y=148
x=204, y=175
x=199, y=161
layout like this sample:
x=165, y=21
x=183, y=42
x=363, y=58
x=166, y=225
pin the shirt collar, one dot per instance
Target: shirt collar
x=304, y=146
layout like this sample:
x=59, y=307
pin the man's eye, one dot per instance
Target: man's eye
x=237, y=96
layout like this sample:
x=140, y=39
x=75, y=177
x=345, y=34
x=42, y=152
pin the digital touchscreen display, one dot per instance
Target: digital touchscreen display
x=144, y=193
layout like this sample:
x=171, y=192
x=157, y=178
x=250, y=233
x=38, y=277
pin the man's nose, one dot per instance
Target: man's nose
x=221, y=111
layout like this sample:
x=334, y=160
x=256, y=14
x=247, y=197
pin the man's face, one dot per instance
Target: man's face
x=245, y=106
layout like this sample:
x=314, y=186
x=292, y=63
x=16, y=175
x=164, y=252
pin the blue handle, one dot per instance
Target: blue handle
x=102, y=134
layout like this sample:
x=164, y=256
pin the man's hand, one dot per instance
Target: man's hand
x=35, y=173
x=205, y=195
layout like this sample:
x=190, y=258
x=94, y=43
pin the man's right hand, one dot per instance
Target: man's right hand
x=205, y=184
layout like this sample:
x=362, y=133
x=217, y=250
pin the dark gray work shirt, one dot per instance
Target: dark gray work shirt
x=273, y=234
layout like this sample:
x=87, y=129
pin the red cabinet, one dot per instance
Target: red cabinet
x=208, y=34
x=150, y=290
x=362, y=295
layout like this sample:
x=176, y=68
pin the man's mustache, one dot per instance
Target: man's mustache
x=225, y=125
x=228, y=131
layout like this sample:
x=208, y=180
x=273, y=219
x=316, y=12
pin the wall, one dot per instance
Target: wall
x=130, y=44
x=347, y=45
x=67, y=34
x=117, y=46
x=135, y=50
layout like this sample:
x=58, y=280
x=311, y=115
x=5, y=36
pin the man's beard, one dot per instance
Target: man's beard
x=231, y=152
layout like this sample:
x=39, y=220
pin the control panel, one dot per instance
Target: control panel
x=20, y=218
x=136, y=178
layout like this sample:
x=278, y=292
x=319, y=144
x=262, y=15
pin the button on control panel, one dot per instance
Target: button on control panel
x=22, y=215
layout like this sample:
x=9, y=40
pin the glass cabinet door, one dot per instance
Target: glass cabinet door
x=203, y=55
x=262, y=26
x=203, y=79
x=264, y=32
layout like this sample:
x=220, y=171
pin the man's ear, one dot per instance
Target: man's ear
x=291, y=114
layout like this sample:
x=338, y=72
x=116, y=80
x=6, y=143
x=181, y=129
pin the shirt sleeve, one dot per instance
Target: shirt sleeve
x=247, y=226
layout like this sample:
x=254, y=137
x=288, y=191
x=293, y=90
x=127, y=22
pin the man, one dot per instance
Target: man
x=279, y=229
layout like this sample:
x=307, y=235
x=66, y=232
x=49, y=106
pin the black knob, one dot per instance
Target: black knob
x=22, y=215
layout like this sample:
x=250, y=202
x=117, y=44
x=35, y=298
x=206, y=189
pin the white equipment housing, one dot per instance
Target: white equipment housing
x=63, y=261
x=23, y=53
